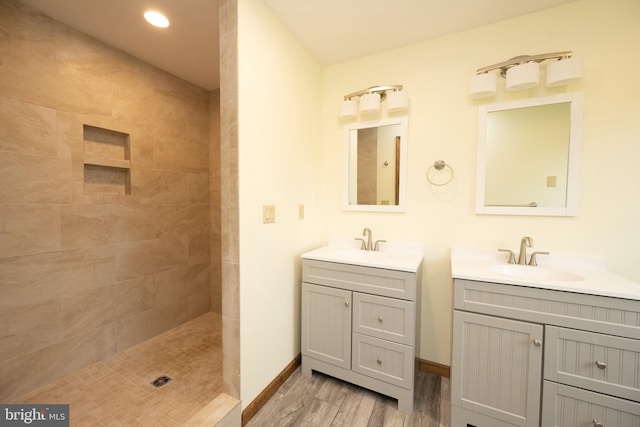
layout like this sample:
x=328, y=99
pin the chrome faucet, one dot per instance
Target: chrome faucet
x=367, y=232
x=525, y=243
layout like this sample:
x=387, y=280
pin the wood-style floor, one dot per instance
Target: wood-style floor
x=326, y=401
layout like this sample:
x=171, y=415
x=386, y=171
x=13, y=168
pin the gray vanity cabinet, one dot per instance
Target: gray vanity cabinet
x=526, y=356
x=327, y=324
x=359, y=325
x=498, y=367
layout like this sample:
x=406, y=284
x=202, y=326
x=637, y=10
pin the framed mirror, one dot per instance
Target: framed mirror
x=529, y=156
x=375, y=165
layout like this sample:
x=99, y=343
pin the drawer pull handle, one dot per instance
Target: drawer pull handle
x=346, y=303
x=597, y=423
x=379, y=361
x=380, y=319
x=601, y=365
x=537, y=342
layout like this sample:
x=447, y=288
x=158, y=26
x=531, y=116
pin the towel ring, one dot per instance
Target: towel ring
x=439, y=165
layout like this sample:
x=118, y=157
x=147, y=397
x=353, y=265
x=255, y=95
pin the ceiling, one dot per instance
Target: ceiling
x=332, y=30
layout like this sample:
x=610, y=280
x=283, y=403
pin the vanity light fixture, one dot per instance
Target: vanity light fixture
x=156, y=19
x=370, y=99
x=523, y=72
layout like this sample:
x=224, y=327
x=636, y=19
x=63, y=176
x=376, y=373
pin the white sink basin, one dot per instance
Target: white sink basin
x=361, y=255
x=580, y=274
x=535, y=273
x=392, y=255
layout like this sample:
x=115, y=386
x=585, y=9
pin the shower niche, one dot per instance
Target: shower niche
x=107, y=161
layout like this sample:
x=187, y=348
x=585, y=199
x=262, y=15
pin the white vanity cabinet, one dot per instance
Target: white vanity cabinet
x=359, y=325
x=530, y=356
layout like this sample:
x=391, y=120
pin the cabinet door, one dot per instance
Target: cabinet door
x=326, y=324
x=497, y=367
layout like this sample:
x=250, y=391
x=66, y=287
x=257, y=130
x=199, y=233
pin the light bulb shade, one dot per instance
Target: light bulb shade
x=564, y=72
x=348, y=109
x=397, y=101
x=370, y=103
x=483, y=85
x=523, y=76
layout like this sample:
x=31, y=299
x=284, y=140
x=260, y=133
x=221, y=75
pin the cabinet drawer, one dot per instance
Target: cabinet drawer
x=598, y=362
x=383, y=360
x=379, y=281
x=386, y=318
x=565, y=406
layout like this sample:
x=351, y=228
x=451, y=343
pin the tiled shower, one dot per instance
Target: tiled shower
x=111, y=202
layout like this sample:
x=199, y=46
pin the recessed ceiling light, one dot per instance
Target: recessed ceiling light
x=156, y=18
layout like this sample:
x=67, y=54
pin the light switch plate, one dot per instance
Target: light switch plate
x=300, y=211
x=551, y=181
x=268, y=214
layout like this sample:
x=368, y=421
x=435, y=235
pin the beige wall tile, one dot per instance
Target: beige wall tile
x=29, y=229
x=29, y=328
x=31, y=279
x=170, y=154
x=85, y=311
x=198, y=303
x=134, y=296
x=229, y=187
x=87, y=224
x=27, y=32
x=49, y=84
x=34, y=179
x=83, y=225
x=185, y=220
x=199, y=251
x=136, y=259
x=198, y=128
x=93, y=59
x=180, y=282
x=131, y=222
x=231, y=356
x=160, y=187
x=31, y=370
x=97, y=307
x=137, y=328
x=131, y=108
x=69, y=135
x=27, y=128
x=230, y=234
x=231, y=290
x=141, y=146
x=199, y=188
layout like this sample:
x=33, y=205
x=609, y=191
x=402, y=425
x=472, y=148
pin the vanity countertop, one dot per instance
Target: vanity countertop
x=584, y=275
x=391, y=256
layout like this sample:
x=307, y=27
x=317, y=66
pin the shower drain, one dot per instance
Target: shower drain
x=160, y=381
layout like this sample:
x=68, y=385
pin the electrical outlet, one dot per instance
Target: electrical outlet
x=300, y=211
x=268, y=214
x=551, y=181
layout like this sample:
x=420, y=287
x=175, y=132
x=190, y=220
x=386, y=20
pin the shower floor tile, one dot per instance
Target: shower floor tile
x=118, y=391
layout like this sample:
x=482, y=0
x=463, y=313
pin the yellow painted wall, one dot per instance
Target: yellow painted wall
x=291, y=153
x=442, y=125
x=279, y=89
